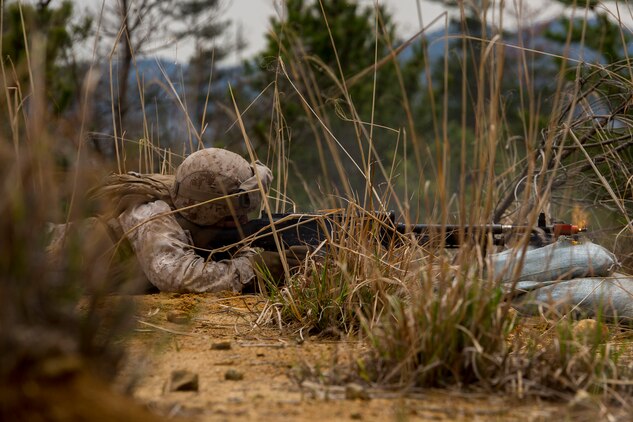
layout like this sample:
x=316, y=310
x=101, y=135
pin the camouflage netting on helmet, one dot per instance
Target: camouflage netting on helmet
x=209, y=185
x=122, y=191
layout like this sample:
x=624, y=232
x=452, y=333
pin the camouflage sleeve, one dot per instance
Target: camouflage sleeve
x=168, y=260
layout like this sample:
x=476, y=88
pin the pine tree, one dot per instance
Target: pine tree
x=324, y=45
x=58, y=29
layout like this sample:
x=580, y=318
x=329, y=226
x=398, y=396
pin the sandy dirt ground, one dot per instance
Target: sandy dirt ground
x=249, y=372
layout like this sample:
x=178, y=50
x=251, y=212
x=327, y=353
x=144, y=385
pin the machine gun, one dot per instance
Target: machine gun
x=316, y=228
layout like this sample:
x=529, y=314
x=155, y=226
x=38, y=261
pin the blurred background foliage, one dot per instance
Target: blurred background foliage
x=312, y=102
x=63, y=30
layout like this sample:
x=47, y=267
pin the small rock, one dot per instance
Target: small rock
x=356, y=392
x=178, y=317
x=589, y=329
x=581, y=400
x=313, y=390
x=260, y=355
x=356, y=416
x=233, y=375
x=221, y=345
x=183, y=380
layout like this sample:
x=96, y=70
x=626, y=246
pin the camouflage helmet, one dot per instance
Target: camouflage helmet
x=213, y=183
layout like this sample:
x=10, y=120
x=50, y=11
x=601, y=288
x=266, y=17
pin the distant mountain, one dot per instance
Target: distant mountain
x=166, y=86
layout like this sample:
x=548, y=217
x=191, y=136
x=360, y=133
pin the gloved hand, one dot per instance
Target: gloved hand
x=271, y=261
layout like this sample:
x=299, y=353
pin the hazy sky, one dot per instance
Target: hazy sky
x=253, y=18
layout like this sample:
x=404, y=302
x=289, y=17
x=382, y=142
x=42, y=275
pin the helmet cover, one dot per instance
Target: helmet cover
x=213, y=183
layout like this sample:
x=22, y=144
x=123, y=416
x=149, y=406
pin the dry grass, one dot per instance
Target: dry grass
x=433, y=318
x=59, y=352
x=430, y=318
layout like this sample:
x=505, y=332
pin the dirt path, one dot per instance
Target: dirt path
x=211, y=336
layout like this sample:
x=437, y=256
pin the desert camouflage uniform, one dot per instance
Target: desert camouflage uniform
x=165, y=253
x=210, y=185
x=163, y=244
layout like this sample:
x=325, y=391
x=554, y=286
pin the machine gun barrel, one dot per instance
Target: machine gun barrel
x=454, y=235
x=315, y=228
